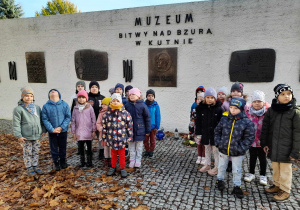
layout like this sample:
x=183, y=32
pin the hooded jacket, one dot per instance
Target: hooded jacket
x=234, y=134
x=154, y=111
x=281, y=133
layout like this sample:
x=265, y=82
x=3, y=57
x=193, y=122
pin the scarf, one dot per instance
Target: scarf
x=257, y=113
x=81, y=107
x=116, y=106
x=149, y=102
x=30, y=108
x=282, y=107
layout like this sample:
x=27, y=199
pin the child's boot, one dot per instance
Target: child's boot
x=220, y=184
x=146, y=154
x=123, y=173
x=137, y=164
x=263, y=180
x=272, y=189
x=111, y=171
x=89, y=161
x=101, y=154
x=63, y=163
x=151, y=154
x=198, y=161
x=56, y=166
x=37, y=170
x=82, y=161
x=238, y=192
x=281, y=196
x=204, y=168
x=109, y=162
x=132, y=163
x=31, y=172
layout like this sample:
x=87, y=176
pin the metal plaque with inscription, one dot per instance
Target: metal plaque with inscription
x=36, y=69
x=91, y=65
x=257, y=65
x=162, y=67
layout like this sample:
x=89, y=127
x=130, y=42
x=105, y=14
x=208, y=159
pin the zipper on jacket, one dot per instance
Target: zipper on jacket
x=279, y=136
x=230, y=137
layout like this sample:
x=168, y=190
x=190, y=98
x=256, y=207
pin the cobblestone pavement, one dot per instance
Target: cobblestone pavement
x=171, y=180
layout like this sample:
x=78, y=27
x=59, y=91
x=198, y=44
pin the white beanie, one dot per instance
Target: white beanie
x=223, y=90
x=116, y=96
x=258, y=95
x=201, y=94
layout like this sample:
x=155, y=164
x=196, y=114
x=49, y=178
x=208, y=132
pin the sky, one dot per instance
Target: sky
x=31, y=6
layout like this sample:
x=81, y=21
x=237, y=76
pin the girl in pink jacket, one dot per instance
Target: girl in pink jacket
x=256, y=113
x=83, y=125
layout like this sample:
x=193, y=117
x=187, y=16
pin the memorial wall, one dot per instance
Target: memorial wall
x=172, y=49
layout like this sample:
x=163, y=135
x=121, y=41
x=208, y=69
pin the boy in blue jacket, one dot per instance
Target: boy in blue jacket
x=234, y=135
x=56, y=116
x=155, y=122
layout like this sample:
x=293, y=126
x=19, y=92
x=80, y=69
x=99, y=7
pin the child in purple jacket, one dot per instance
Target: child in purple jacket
x=83, y=126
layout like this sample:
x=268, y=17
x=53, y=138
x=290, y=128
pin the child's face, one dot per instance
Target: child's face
x=119, y=90
x=115, y=102
x=199, y=91
x=257, y=105
x=94, y=89
x=80, y=87
x=210, y=100
x=236, y=93
x=133, y=97
x=285, y=97
x=150, y=97
x=199, y=99
x=53, y=94
x=221, y=96
x=104, y=107
x=234, y=110
x=127, y=93
x=81, y=99
x=28, y=98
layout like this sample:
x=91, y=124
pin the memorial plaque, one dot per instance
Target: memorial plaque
x=36, y=69
x=162, y=67
x=257, y=65
x=91, y=65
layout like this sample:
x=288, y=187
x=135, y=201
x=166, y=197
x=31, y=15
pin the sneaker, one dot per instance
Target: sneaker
x=204, y=168
x=132, y=163
x=272, y=189
x=111, y=171
x=238, y=192
x=281, y=196
x=249, y=177
x=220, y=184
x=56, y=166
x=123, y=173
x=146, y=154
x=137, y=164
x=213, y=171
x=198, y=160
x=151, y=154
x=37, y=170
x=31, y=172
x=263, y=180
x=202, y=161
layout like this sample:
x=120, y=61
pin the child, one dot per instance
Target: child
x=102, y=144
x=222, y=93
x=56, y=117
x=127, y=88
x=28, y=127
x=119, y=88
x=155, y=122
x=80, y=85
x=199, y=89
x=233, y=136
x=141, y=125
x=209, y=113
x=83, y=126
x=280, y=138
x=117, y=131
x=256, y=113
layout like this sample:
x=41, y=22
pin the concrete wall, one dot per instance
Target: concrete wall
x=235, y=25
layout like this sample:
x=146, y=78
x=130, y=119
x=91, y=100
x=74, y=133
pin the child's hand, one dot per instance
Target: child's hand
x=22, y=140
x=266, y=149
x=93, y=135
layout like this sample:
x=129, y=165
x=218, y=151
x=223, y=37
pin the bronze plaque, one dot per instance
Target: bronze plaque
x=257, y=65
x=36, y=69
x=91, y=65
x=162, y=67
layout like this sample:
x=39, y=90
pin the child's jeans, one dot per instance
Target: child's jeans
x=135, y=150
x=58, y=145
x=282, y=175
x=237, y=162
x=209, y=150
x=114, y=158
x=150, y=146
x=31, y=150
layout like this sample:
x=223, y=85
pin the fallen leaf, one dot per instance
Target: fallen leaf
x=206, y=188
x=152, y=183
x=246, y=193
x=140, y=208
x=106, y=206
x=34, y=205
x=53, y=203
x=130, y=170
x=140, y=192
x=134, y=194
x=154, y=169
x=139, y=180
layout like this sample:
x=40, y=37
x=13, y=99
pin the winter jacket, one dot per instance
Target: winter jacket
x=154, y=112
x=281, y=133
x=141, y=119
x=117, y=128
x=27, y=125
x=99, y=121
x=124, y=100
x=207, y=118
x=83, y=123
x=94, y=101
x=194, y=105
x=56, y=115
x=258, y=122
x=234, y=134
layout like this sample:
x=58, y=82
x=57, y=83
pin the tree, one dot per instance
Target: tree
x=9, y=10
x=58, y=7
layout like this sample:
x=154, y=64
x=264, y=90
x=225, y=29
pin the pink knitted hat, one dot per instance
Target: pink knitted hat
x=135, y=91
x=84, y=94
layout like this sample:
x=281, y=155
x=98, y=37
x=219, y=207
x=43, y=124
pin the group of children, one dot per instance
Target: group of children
x=124, y=119
x=227, y=127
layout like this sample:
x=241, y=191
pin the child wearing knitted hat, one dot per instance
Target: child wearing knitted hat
x=116, y=132
x=280, y=139
x=208, y=115
x=222, y=93
x=119, y=88
x=102, y=145
x=83, y=126
x=234, y=135
x=141, y=126
x=28, y=128
x=80, y=85
x=256, y=113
